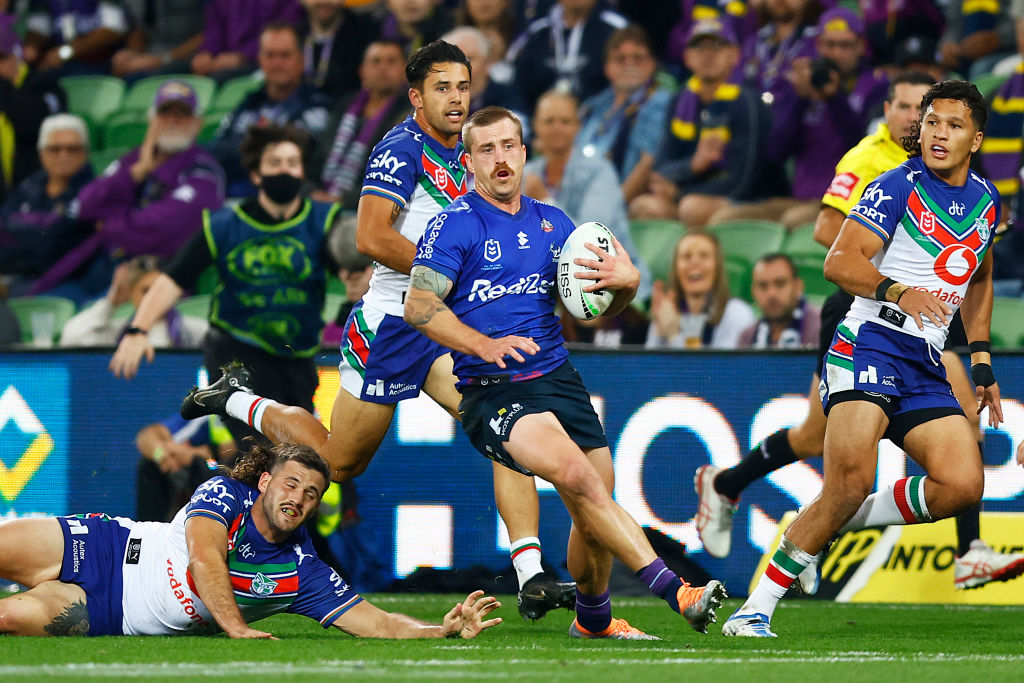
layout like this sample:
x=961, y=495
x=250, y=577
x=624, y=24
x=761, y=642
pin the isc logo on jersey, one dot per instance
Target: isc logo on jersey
x=842, y=185
x=485, y=290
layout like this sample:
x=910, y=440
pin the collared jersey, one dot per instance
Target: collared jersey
x=160, y=597
x=868, y=159
x=503, y=269
x=422, y=176
x=934, y=236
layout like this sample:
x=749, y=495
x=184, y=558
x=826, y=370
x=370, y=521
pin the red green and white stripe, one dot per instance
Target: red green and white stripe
x=531, y=544
x=909, y=495
x=783, y=569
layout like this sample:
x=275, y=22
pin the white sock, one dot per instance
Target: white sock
x=785, y=565
x=526, y=558
x=901, y=503
x=247, y=408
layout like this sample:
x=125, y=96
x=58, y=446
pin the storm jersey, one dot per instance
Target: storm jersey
x=934, y=236
x=160, y=596
x=503, y=270
x=422, y=176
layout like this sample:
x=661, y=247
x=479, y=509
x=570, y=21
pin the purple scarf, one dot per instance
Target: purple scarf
x=344, y=165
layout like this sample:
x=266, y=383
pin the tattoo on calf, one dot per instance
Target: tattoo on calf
x=73, y=621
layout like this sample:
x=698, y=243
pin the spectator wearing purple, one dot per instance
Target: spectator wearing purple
x=978, y=35
x=67, y=37
x=835, y=91
x=39, y=220
x=149, y=201
x=563, y=50
x=284, y=98
x=338, y=159
x=737, y=14
x=231, y=34
x=334, y=39
x=888, y=24
x=711, y=154
x=485, y=91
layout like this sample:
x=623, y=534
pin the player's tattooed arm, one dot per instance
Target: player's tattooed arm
x=73, y=621
x=427, y=288
x=396, y=211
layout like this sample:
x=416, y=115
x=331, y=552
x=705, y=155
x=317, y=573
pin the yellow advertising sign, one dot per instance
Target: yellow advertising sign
x=911, y=564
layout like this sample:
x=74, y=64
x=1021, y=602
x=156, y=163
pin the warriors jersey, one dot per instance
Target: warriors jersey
x=160, y=596
x=503, y=270
x=934, y=236
x=422, y=176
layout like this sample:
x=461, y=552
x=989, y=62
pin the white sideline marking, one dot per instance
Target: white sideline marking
x=372, y=667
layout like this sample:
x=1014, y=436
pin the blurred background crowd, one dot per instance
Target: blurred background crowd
x=705, y=131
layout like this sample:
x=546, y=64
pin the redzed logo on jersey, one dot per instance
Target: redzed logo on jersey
x=842, y=185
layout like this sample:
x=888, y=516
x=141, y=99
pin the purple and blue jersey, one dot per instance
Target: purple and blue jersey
x=503, y=270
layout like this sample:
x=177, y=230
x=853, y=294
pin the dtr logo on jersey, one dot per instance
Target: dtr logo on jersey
x=876, y=195
x=956, y=209
x=955, y=264
x=492, y=250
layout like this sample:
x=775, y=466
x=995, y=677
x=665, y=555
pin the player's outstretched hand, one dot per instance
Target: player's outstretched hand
x=466, y=619
x=253, y=633
x=129, y=353
x=921, y=305
x=988, y=397
x=611, y=272
x=495, y=350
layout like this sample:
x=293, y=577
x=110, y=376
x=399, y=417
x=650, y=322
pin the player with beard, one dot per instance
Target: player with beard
x=236, y=553
x=413, y=173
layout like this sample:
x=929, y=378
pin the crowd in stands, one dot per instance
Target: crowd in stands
x=679, y=124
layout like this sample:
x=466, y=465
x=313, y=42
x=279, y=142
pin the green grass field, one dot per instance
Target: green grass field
x=819, y=641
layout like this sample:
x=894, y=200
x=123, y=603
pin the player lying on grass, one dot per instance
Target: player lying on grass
x=236, y=553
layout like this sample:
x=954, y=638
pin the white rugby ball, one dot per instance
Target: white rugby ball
x=580, y=304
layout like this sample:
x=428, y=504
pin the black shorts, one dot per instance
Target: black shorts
x=489, y=412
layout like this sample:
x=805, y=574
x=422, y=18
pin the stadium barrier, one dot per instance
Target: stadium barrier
x=67, y=428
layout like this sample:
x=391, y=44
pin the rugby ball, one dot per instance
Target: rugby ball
x=583, y=305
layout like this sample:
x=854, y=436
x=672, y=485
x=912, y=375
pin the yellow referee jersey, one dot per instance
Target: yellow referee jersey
x=872, y=156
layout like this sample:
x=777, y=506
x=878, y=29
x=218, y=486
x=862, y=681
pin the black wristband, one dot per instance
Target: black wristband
x=980, y=347
x=981, y=375
x=135, y=330
x=883, y=287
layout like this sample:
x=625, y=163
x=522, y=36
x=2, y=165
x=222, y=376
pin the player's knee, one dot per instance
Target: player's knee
x=12, y=616
x=969, y=488
x=580, y=480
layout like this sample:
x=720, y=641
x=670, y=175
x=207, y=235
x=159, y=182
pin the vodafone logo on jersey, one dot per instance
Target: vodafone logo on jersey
x=955, y=264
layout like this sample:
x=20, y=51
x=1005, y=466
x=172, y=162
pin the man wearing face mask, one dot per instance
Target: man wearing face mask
x=149, y=201
x=271, y=257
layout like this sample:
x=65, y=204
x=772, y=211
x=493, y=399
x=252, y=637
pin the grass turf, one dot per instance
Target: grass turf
x=819, y=641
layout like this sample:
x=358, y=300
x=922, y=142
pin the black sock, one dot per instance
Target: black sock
x=769, y=455
x=968, y=525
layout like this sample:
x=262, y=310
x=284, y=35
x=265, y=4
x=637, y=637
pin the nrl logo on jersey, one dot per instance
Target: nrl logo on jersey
x=492, y=250
x=984, y=231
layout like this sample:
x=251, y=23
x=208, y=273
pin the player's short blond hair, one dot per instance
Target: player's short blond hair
x=488, y=116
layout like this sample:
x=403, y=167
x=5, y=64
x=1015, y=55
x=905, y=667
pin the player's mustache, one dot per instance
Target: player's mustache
x=501, y=166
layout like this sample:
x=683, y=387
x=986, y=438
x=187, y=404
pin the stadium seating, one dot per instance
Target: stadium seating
x=738, y=272
x=809, y=268
x=801, y=242
x=197, y=306
x=1007, y=322
x=101, y=159
x=93, y=98
x=125, y=129
x=748, y=240
x=55, y=311
x=140, y=97
x=655, y=240
x=231, y=93
x=988, y=84
x=335, y=286
x=211, y=122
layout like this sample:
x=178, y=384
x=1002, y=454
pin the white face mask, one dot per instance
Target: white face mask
x=172, y=142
